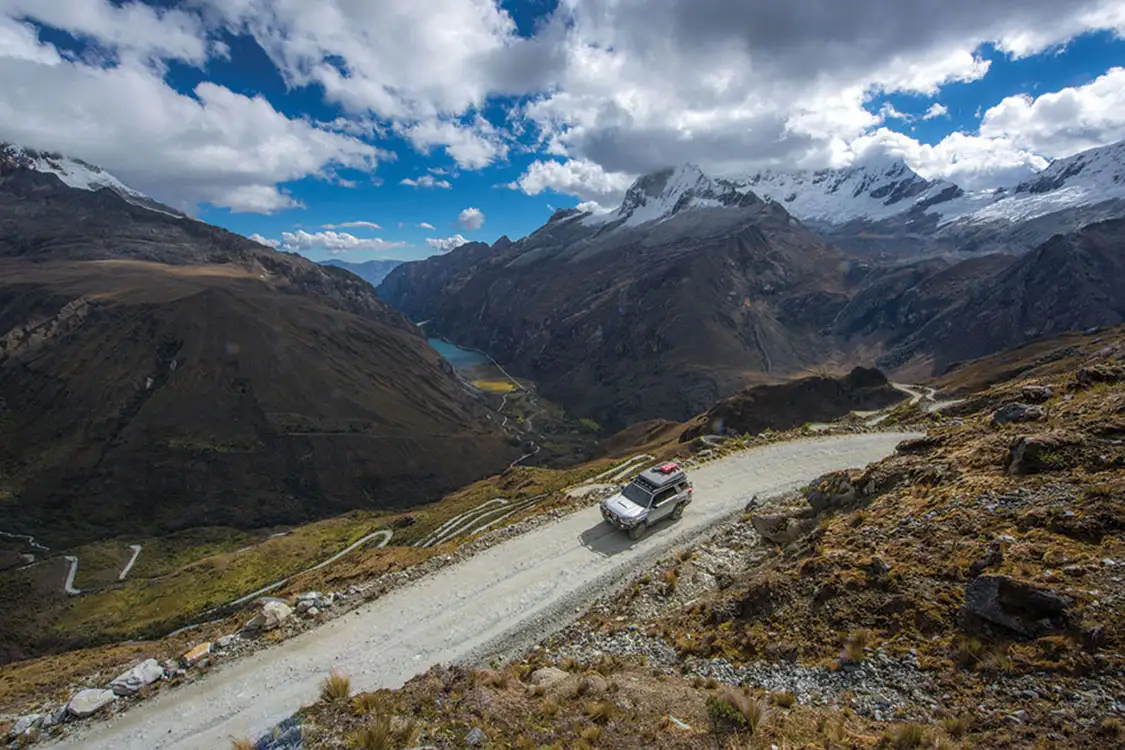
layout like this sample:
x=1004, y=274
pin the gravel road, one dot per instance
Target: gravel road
x=500, y=601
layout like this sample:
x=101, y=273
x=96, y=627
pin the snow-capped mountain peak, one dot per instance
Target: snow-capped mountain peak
x=662, y=194
x=78, y=174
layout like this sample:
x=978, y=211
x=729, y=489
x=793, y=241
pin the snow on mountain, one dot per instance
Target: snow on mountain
x=80, y=175
x=875, y=190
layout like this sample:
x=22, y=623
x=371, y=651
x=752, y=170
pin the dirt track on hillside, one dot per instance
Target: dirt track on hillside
x=499, y=601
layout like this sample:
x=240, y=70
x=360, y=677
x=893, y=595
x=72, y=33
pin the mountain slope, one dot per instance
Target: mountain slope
x=157, y=373
x=934, y=314
x=623, y=317
x=371, y=271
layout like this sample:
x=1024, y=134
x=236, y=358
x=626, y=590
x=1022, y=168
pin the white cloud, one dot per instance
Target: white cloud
x=935, y=111
x=471, y=219
x=888, y=112
x=448, y=243
x=353, y=225
x=133, y=30
x=333, y=243
x=426, y=225
x=265, y=241
x=213, y=146
x=1063, y=122
x=427, y=181
x=592, y=207
x=579, y=177
x=472, y=146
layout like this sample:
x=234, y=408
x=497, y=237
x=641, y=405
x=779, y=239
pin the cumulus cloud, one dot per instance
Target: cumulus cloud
x=1063, y=122
x=265, y=241
x=426, y=225
x=579, y=177
x=353, y=225
x=213, y=146
x=935, y=111
x=333, y=243
x=446, y=244
x=471, y=219
x=427, y=181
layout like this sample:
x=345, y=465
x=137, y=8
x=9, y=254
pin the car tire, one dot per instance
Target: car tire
x=678, y=512
x=638, y=531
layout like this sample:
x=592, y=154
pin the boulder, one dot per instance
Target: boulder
x=548, y=676
x=917, y=445
x=272, y=614
x=310, y=596
x=196, y=655
x=303, y=606
x=89, y=701
x=780, y=528
x=1017, y=412
x=226, y=641
x=1031, y=454
x=1022, y=607
x=1036, y=394
x=312, y=611
x=145, y=673
x=830, y=491
x=476, y=737
x=1087, y=377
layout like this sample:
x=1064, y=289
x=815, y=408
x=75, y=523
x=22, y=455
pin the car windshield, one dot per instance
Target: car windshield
x=637, y=494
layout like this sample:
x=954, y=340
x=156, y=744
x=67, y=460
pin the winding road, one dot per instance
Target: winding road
x=132, y=561
x=501, y=600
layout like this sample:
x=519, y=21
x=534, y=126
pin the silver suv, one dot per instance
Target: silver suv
x=657, y=493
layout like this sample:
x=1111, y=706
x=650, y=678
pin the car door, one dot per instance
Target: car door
x=662, y=504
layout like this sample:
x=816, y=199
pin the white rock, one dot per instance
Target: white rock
x=273, y=613
x=303, y=606
x=226, y=641
x=145, y=673
x=89, y=701
x=312, y=612
x=310, y=596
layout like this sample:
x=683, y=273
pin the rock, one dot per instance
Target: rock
x=145, y=673
x=89, y=701
x=917, y=445
x=830, y=491
x=1031, y=454
x=312, y=611
x=1019, y=606
x=226, y=641
x=25, y=724
x=303, y=606
x=476, y=737
x=547, y=676
x=196, y=655
x=310, y=596
x=1036, y=394
x=272, y=614
x=403, y=522
x=1103, y=373
x=58, y=716
x=1017, y=412
x=780, y=528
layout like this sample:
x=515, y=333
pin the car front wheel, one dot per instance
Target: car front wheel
x=638, y=531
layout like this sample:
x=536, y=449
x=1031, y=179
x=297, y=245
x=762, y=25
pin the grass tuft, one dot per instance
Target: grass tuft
x=957, y=726
x=591, y=734
x=241, y=744
x=906, y=736
x=598, y=712
x=784, y=699
x=335, y=688
x=856, y=645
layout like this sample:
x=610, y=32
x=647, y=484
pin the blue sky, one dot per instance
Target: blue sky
x=299, y=124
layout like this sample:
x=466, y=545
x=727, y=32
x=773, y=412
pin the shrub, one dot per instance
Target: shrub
x=335, y=688
x=599, y=712
x=784, y=699
x=907, y=736
x=671, y=578
x=549, y=707
x=591, y=734
x=736, y=707
x=957, y=726
x=967, y=652
x=684, y=555
x=856, y=644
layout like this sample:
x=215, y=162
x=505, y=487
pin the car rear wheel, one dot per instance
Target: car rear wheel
x=678, y=512
x=638, y=531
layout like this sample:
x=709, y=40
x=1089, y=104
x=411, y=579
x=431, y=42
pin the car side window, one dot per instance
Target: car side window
x=663, y=495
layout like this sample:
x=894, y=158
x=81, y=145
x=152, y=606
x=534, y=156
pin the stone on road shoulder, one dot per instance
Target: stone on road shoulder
x=505, y=598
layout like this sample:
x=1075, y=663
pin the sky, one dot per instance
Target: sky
x=400, y=129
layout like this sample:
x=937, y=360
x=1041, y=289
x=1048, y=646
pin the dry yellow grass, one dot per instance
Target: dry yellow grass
x=495, y=385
